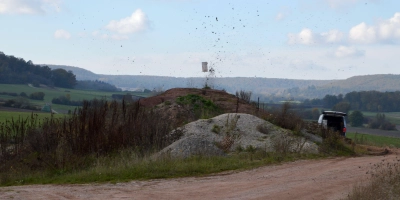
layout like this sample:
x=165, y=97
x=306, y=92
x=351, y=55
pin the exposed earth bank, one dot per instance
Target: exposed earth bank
x=307, y=179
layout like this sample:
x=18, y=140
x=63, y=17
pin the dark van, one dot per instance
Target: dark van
x=333, y=120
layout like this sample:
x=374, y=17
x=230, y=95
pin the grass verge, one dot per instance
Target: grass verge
x=374, y=140
x=127, y=166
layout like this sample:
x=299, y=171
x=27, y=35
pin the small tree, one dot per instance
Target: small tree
x=244, y=95
x=23, y=94
x=356, y=118
x=342, y=107
x=315, y=113
x=37, y=96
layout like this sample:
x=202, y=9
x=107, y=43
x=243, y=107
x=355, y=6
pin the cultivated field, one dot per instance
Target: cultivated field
x=50, y=93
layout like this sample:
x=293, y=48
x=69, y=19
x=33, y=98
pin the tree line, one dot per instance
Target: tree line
x=18, y=71
x=96, y=85
x=372, y=101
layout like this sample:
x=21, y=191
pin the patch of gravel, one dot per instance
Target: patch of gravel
x=228, y=132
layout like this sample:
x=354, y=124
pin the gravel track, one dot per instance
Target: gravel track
x=307, y=179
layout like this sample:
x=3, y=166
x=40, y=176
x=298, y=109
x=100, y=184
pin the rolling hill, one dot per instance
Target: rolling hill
x=265, y=88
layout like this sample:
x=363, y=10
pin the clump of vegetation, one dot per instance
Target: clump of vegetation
x=206, y=87
x=384, y=183
x=231, y=134
x=37, y=96
x=66, y=100
x=380, y=122
x=20, y=102
x=282, y=144
x=286, y=118
x=335, y=144
x=13, y=94
x=198, y=106
x=244, y=95
x=356, y=118
x=60, y=145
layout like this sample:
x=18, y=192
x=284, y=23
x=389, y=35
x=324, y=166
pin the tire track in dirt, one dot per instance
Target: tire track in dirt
x=307, y=179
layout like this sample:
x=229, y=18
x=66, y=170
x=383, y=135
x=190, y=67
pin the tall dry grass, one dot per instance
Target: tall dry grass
x=384, y=183
x=98, y=128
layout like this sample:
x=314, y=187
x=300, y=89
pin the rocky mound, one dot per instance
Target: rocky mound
x=233, y=131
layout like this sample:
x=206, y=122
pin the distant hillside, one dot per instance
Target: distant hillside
x=265, y=88
x=81, y=74
x=379, y=82
x=15, y=70
x=232, y=84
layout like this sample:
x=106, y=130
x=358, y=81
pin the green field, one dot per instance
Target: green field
x=50, y=93
x=393, y=117
x=9, y=115
x=374, y=140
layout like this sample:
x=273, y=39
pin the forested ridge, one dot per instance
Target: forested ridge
x=15, y=70
x=373, y=101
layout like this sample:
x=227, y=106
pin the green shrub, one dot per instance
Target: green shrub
x=198, y=106
x=37, y=96
x=356, y=118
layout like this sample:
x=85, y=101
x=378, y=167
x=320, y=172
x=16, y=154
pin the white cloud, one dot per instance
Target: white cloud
x=333, y=36
x=339, y=5
x=28, y=6
x=62, y=34
x=283, y=13
x=344, y=51
x=386, y=31
x=137, y=22
x=307, y=37
x=335, y=4
x=280, y=16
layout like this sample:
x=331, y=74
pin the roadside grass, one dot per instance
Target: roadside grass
x=384, y=183
x=374, y=140
x=127, y=166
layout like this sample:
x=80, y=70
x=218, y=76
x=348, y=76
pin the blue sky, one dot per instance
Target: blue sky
x=296, y=39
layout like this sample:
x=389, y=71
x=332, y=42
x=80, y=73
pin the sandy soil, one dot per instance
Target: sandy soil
x=307, y=179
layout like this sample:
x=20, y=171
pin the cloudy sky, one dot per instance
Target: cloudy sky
x=296, y=39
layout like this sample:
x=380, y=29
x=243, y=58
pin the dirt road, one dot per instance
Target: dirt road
x=309, y=179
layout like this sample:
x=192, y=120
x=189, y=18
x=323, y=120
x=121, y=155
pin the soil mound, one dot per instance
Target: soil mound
x=227, y=102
